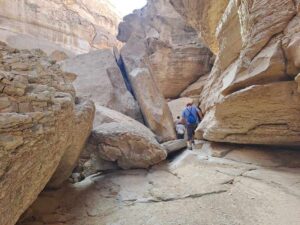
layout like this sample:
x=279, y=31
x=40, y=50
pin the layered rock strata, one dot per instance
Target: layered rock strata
x=37, y=126
x=250, y=96
x=73, y=26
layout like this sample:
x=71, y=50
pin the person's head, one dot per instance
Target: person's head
x=178, y=117
x=189, y=103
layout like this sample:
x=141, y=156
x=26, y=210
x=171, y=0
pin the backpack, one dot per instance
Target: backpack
x=191, y=118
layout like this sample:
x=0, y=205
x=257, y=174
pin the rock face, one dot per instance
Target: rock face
x=153, y=105
x=38, y=117
x=195, y=89
x=127, y=145
x=175, y=55
x=73, y=26
x=123, y=140
x=250, y=96
x=259, y=114
x=83, y=125
x=100, y=79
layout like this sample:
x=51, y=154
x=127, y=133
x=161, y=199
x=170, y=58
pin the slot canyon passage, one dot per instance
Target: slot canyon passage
x=88, y=101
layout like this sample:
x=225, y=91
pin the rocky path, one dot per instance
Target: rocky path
x=192, y=189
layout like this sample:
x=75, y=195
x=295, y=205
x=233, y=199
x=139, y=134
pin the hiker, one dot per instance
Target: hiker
x=191, y=117
x=178, y=120
x=180, y=128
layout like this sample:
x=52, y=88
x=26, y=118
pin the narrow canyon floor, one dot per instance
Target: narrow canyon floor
x=244, y=186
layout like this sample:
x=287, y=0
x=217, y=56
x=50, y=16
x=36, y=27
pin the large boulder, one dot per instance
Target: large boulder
x=176, y=56
x=38, y=117
x=100, y=79
x=74, y=27
x=127, y=145
x=153, y=105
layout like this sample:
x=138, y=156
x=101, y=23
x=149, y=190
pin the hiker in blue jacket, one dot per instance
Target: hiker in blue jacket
x=191, y=117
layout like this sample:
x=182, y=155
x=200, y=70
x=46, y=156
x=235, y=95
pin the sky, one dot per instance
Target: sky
x=125, y=7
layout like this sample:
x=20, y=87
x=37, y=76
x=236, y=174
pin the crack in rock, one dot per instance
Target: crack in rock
x=192, y=196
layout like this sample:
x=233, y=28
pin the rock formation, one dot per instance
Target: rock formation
x=72, y=26
x=250, y=96
x=123, y=140
x=100, y=79
x=190, y=190
x=127, y=145
x=38, y=127
x=175, y=55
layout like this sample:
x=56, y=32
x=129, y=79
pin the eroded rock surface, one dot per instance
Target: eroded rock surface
x=127, y=145
x=255, y=44
x=37, y=124
x=100, y=79
x=176, y=57
x=217, y=191
x=73, y=26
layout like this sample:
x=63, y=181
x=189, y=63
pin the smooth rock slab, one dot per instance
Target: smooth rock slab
x=211, y=193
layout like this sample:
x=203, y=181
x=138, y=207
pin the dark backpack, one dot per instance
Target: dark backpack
x=191, y=118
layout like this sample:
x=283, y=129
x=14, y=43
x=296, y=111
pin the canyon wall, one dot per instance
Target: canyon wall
x=175, y=55
x=250, y=97
x=72, y=26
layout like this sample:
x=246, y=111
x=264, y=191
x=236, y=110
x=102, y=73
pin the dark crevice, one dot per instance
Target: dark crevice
x=121, y=66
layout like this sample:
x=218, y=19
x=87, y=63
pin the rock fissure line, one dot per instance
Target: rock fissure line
x=192, y=196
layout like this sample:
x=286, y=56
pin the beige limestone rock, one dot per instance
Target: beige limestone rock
x=267, y=67
x=293, y=52
x=66, y=25
x=156, y=112
x=298, y=81
x=196, y=88
x=265, y=114
x=127, y=145
x=37, y=117
x=176, y=57
x=106, y=115
x=175, y=145
x=291, y=46
x=83, y=126
x=227, y=192
x=260, y=21
x=100, y=79
x=228, y=33
x=90, y=159
x=204, y=16
x=153, y=105
x=58, y=56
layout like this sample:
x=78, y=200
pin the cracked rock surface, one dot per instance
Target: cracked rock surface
x=195, y=188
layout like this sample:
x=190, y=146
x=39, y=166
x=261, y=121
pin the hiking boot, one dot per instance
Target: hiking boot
x=190, y=148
